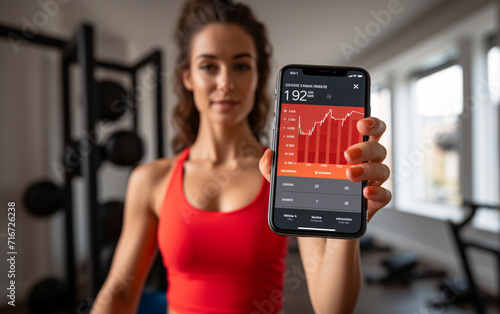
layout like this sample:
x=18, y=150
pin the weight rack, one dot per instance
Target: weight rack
x=80, y=50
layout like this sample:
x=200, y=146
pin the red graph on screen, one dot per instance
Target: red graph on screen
x=320, y=134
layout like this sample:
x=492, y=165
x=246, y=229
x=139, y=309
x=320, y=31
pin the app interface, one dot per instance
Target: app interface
x=317, y=124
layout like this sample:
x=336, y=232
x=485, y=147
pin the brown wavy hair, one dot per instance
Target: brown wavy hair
x=196, y=15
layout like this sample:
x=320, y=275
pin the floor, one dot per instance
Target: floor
x=394, y=298
x=378, y=298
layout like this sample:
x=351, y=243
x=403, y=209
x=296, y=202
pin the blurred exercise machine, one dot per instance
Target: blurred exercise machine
x=402, y=268
x=464, y=288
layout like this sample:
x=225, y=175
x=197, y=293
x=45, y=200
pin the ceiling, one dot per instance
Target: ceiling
x=315, y=28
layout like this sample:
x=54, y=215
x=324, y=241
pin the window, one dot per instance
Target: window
x=439, y=102
x=494, y=74
x=444, y=97
x=487, y=159
x=380, y=103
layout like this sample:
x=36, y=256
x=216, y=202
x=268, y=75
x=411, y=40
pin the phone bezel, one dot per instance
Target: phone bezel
x=323, y=70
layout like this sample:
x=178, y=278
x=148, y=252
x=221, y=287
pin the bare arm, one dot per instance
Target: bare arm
x=136, y=247
x=333, y=273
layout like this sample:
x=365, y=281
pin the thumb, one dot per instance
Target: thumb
x=265, y=164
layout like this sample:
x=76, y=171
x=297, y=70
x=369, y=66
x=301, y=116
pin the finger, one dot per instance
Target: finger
x=265, y=164
x=365, y=151
x=372, y=127
x=377, y=197
x=376, y=182
x=368, y=171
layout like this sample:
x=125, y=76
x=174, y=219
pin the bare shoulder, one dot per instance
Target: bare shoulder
x=152, y=178
x=149, y=173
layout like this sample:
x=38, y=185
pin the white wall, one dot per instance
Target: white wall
x=23, y=117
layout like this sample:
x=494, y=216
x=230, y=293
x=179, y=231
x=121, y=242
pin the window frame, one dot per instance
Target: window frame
x=377, y=86
x=465, y=36
x=429, y=208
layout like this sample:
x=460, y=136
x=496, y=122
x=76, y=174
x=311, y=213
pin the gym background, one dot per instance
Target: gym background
x=435, y=68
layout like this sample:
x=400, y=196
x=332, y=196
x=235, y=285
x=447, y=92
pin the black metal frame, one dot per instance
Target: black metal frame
x=462, y=245
x=80, y=50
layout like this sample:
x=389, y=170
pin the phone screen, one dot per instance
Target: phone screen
x=318, y=111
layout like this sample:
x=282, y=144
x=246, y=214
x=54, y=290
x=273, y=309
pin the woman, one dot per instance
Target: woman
x=206, y=208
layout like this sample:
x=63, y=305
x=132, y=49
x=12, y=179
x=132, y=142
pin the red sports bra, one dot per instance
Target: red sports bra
x=220, y=262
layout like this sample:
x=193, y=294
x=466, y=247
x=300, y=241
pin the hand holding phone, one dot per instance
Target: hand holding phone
x=316, y=112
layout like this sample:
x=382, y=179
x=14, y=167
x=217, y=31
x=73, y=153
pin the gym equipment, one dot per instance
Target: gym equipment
x=106, y=258
x=124, y=148
x=465, y=288
x=49, y=295
x=72, y=158
x=102, y=100
x=43, y=198
x=153, y=302
x=402, y=267
x=456, y=288
x=112, y=96
x=112, y=218
x=368, y=244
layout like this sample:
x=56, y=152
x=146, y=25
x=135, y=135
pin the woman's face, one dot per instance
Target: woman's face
x=223, y=73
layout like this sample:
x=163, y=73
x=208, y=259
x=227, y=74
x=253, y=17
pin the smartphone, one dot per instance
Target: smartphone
x=315, y=116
